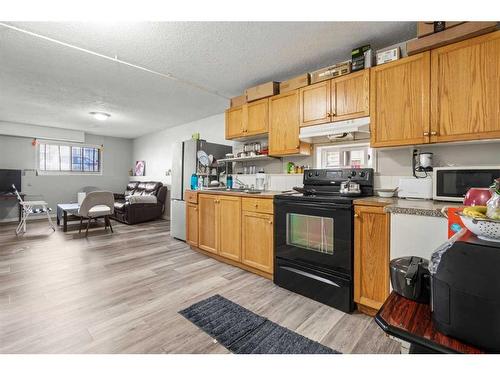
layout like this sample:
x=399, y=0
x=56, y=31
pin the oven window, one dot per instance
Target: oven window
x=313, y=233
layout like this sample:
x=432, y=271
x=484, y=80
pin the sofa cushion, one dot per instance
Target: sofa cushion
x=133, y=199
x=131, y=188
x=120, y=205
x=148, y=188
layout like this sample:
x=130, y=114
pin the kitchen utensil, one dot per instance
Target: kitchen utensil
x=477, y=197
x=203, y=158
x=484, y=229
x=386, y=193
x=229, y=156
x=211, y=159
x=349, y=188
x=410, y=278
x=260, y=181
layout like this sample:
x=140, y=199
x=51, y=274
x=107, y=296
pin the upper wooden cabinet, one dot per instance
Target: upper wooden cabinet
x=339, y=99
x=284, y=125
x=371, y=257
x=399, y=102
x=465, y=90
x=256, y=117
x=350, y=96
x=315, y=104
x=234, y=123
x=248, y=120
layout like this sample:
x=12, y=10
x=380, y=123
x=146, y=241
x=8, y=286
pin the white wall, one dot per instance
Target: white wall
x=19, y=153
x=156, y=148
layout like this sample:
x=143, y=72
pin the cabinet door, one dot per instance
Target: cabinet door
x=207, y=223
x=371, y=256
x=256, y=117
x=234, y=122
x=351, y=96
x=229, y=209
x=284, y=125
x=465, y=84
x=257, y=241
x=192, y=224
x=315, y=104
x=399, y=102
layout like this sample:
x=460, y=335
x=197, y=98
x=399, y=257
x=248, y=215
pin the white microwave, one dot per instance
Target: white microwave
x=452, y=183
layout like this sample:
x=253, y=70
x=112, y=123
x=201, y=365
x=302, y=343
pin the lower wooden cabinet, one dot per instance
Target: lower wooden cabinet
x=229, y=217
x=233, y=228
x=257, y=240
x=192, y=224
x=371, y=257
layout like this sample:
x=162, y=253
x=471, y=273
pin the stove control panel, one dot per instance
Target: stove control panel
x=362, y=176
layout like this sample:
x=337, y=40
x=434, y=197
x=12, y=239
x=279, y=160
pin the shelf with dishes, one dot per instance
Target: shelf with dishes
x=243, y=159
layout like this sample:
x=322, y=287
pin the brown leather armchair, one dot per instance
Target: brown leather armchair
x=129, y=209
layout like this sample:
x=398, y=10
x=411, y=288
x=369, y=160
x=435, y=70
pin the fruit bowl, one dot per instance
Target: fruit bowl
x=484, y=229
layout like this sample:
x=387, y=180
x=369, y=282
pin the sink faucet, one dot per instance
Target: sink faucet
x=240, y=183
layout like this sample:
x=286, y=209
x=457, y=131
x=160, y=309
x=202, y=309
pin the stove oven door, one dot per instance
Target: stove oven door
x=317, y=234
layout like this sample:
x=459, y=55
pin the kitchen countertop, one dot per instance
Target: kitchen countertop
x=268, y=194
x=408, y=206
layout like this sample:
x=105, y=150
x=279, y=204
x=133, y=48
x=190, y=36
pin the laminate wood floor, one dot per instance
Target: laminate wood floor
x=120, y=293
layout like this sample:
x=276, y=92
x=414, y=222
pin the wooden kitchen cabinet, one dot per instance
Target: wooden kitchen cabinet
x=465, y=90
x=229, y=224
x=350, y=96
x=339, y=99
x=315, y=104
x=399, y=102
x=208, y=223
x=192, y=224
x=256, y=117
x=234, y=122
x=257, y=241
x=371, y=257
x=284, y=126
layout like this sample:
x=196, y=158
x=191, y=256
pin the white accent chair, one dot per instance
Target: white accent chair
x=31, y=208
x=97, y=204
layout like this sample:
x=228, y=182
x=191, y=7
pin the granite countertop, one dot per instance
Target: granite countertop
x=408, y=206
x=263, y=194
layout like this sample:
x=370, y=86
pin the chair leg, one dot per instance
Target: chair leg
x=87, y=231
x=51, y=224
x=109, y=223
x=81, y=221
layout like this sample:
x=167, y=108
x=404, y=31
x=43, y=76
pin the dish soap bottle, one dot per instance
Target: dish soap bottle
x=229, y=181
x=194, y=181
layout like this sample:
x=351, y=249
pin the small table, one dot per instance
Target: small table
x=411, y=321
x=67, y=212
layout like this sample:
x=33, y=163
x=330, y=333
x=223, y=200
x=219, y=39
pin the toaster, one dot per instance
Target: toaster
x=418, y=188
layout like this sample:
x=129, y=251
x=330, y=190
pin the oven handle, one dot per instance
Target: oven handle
x=310, y=275
x=322, y=205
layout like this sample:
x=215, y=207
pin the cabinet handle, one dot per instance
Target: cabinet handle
x=270, y=221
x=426, y=134
x=356, y=215
x=434, y=133
x=256, y=205
x=196, y=209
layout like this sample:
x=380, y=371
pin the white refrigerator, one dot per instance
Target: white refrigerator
x=184, y=164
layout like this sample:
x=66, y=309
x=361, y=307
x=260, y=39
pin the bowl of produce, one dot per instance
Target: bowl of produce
x=386, y=193
x=475, y=220
x=477, y=197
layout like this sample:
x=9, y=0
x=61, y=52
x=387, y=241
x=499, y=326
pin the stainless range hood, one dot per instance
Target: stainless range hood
x=341, y=131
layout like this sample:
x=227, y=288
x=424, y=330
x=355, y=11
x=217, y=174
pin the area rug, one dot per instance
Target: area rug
x=244, y=332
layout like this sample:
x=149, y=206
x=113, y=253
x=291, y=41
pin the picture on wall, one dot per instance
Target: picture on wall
x=140, y=168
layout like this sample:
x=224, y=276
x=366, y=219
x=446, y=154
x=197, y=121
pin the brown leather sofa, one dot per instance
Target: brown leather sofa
x=129, y=212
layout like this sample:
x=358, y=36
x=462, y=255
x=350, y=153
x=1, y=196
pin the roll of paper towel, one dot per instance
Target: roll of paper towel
x=81, y=197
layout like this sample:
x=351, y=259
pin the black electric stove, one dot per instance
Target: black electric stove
x=314, y=236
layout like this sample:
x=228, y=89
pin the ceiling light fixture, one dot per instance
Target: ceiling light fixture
x=101, y=116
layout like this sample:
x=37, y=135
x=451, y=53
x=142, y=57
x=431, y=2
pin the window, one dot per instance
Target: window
x=66, y=158
x=345, y=156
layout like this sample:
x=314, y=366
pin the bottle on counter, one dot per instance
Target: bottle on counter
x=194, y=181
x=229, y=181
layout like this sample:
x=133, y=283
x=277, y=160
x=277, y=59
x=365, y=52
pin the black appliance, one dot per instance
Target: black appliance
x=9, y=177
x=465, y=292
x=410, y=278
x=314, y=239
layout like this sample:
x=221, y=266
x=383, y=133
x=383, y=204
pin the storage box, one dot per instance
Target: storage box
x=262, y=91
x=295, y=83
x=238, y=100
x=387, y=55
x=427, y=28
x=331, y=72
x=361, y=58
x=454, y=34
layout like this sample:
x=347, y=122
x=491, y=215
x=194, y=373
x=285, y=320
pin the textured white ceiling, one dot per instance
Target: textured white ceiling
x=53, y=85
